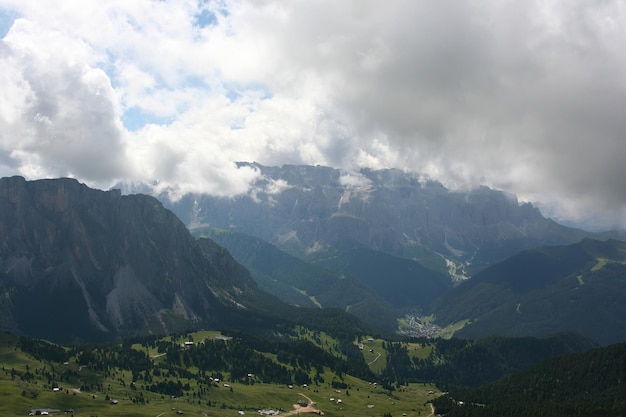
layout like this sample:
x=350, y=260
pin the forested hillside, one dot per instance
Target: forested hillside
x=545, y=290
x=453, y=362
x=586, y=384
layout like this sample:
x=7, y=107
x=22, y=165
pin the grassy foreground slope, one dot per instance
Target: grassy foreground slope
x=161, y=377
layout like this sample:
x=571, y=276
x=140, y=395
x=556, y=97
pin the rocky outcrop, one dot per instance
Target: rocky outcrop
x=83, y=264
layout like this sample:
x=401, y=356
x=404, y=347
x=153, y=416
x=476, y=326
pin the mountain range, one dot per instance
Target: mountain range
x=412, y=242
x=79, y=264
x=308, y=210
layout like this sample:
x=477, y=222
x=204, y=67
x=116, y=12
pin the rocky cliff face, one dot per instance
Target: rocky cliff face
x=82, y=264
x=306, y=210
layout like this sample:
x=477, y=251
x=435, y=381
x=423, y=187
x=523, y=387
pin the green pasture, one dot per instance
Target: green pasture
x=373, y=353
x=116, y=396
x=361, y=398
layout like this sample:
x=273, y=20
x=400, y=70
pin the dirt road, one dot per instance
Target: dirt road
x=298, y=409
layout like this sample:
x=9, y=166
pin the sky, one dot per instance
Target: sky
x=523, y=96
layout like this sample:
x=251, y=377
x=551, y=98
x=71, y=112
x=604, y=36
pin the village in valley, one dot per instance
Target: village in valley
x=413, y=326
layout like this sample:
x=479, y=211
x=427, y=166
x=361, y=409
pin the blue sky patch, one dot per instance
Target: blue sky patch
x=135, y=119
x=6, y=21
x=205, y=18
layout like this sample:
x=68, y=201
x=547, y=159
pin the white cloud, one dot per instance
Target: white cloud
x=354, y=180
x=63, y=120
x=524, y=96
x=276, y=186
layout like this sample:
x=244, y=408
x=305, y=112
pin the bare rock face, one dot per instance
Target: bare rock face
x=82, y=264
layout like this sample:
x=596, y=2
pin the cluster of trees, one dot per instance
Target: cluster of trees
x=106, y=357
x=43, y=350
x=243, y=356
x=234, y=357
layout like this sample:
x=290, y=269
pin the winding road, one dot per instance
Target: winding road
x=375, y=359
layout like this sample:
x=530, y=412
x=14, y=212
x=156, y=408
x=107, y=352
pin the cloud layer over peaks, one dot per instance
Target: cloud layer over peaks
x=522, y=96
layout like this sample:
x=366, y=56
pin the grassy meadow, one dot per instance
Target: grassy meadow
x=27, y=383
